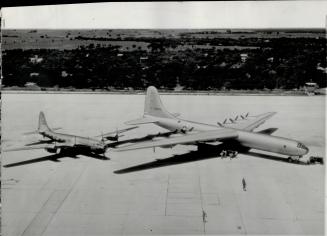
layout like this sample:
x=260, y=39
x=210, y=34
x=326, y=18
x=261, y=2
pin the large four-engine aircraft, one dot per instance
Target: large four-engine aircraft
x=237, y=133
x=62, y=144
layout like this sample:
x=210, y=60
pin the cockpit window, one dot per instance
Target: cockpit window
x=300, y=145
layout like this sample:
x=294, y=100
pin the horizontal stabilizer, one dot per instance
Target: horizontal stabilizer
x=37, y=132
x=207, y=136
x=142, y=120
x=31, y=132
x=40, y=142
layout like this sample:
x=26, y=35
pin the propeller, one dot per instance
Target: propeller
x=112, y=138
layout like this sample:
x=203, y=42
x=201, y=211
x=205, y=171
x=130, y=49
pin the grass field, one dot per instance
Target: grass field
x=66, y=39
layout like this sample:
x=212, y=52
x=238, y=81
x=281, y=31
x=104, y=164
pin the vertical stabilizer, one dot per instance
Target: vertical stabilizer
x=153, y=105
x=43, y=126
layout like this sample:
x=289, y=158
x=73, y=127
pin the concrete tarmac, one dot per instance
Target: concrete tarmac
x=169, y=191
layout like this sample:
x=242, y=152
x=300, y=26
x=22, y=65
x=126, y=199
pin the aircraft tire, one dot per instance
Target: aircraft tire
x=289, y=159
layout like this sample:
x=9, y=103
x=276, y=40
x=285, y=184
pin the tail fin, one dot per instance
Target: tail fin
x=153, y=105
x=43, y=126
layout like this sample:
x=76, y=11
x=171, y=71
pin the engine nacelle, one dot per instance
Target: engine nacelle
x=53, y=150
x=168, y=146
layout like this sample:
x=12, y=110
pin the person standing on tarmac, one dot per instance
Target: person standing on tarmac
x=244, y=184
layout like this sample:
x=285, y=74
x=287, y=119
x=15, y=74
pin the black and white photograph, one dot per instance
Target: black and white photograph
x=163, y=118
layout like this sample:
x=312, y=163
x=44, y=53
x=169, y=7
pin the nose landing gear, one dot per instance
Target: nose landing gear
x=294, y=159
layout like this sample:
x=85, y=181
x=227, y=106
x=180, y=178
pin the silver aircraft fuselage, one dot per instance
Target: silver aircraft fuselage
x=73, y=140
x=247, y=139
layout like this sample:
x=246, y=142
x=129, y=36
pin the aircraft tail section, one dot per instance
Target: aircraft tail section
x=43, y=126
x=153, y=105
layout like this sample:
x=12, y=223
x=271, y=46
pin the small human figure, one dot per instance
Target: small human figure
x=204, y=216
x=231, y=154
x=244, y=184
x=223, y=154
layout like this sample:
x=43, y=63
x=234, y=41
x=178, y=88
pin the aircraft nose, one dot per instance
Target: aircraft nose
x=305, y=150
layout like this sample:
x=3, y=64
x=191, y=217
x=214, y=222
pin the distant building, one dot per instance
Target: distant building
x=223, y=64
x=244, y=57
x=32, y=86
x=34, y=74
x=64, y=74
x=143, y=59
x=236, y=66
x=36, y=59
x=201, y=67
x=323, y=69
x=178, y=87
x=270, y=59
x=310, y=88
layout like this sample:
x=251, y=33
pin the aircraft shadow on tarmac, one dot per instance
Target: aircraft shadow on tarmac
x=54, y=158
x=191, y=157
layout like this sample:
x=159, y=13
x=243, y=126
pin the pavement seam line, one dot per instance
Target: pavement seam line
x=204, y=214
x=45, y=204
x=69, y=192
x=167, y=195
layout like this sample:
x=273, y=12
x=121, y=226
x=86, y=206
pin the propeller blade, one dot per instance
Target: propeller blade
x=220, y=124
x=242, y=117
x=231, y=120
x=247, y=114
x=225, y=121
x=236, y=118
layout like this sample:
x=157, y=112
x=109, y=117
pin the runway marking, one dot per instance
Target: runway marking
x=167, y=195
x=239, y=209
x=42, y=219
x=204, y=214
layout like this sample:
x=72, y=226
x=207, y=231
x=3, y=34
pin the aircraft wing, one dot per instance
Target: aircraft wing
x=191, y=138
x=28, y=148
x=119, y=131
x=249, y=123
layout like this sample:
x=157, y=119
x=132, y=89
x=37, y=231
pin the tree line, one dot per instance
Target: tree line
x=282, y=63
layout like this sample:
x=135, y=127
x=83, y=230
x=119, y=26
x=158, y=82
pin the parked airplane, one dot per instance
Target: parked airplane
x=238, y=134
x=60, y=143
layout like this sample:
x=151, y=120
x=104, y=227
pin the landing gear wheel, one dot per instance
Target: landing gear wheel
x=289, y=159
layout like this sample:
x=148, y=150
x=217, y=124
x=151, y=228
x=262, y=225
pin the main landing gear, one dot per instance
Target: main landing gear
x=228, y=153
x=294, y=159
